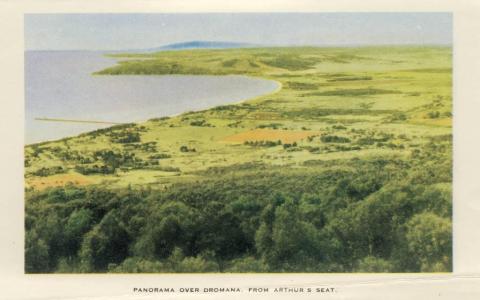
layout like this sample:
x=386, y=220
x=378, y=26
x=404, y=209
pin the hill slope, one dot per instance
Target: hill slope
x=346, y=168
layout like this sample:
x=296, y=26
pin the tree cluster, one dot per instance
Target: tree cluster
x=362, y=215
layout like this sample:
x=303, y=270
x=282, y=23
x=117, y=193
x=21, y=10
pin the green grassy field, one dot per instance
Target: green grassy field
x=364, y=131
x=396, y=97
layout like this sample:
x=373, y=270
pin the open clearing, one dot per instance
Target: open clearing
x=285, y=136
x=41, y=183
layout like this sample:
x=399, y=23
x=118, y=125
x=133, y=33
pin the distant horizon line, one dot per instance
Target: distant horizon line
x=253, y=46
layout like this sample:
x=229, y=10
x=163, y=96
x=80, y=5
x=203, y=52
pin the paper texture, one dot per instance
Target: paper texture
x=462, y=283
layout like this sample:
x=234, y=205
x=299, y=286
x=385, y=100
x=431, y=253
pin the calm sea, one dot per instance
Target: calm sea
x=59, y=84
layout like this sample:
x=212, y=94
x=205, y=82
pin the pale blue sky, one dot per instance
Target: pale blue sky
x=137, y=31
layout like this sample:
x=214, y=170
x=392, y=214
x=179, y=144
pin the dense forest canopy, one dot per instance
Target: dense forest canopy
x=389, y=214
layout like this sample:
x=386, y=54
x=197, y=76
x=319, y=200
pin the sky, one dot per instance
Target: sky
x=141, y=31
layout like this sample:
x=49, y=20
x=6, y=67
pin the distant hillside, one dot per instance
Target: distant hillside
x=199, y=45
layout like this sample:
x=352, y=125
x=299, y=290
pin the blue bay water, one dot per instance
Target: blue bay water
x=60, y=84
